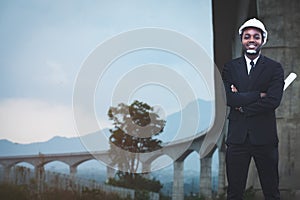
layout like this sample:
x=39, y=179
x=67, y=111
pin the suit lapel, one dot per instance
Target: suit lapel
x=242, y=73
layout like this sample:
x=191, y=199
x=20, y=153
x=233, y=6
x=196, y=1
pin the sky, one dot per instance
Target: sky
x=44, y=46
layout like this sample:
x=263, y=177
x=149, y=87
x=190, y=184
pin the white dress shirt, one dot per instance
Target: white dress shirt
x=248, y=63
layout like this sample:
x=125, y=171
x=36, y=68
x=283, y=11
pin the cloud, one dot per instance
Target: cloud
x=57, y=73
x=31, y=120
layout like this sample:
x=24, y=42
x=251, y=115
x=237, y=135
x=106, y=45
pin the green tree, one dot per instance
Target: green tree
x=134, y=129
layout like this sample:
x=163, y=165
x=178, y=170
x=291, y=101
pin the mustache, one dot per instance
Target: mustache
x=251, y=43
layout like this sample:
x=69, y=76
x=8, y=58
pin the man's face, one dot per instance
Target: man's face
x=252, y=39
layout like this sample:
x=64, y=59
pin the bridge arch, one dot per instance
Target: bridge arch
x=79, y=162
x=24, y=164
x=57, y=166
x=92, y=169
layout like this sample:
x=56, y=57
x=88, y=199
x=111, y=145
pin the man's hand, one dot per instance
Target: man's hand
x=233, y=89
x=263, y=94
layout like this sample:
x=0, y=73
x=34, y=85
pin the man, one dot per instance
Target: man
x=254, y=86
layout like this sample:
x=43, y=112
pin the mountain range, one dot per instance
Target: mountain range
x=94, y=141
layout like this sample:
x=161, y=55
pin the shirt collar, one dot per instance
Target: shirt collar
x=248, y=62
x=248, y=59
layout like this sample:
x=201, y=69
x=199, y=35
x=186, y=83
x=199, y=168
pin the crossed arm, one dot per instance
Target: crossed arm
x=234, y=90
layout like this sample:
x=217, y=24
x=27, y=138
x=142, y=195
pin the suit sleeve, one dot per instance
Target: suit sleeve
x=236, y=99
x=274, y=95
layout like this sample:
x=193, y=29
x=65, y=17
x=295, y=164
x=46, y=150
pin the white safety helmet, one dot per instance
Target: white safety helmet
x=256, y=24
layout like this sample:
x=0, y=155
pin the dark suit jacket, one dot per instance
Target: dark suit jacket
x=258, y=120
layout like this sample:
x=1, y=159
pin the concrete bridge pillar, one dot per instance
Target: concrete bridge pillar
x=205, y=177
x=282, y=21
x=222, y=176
x=110, y=172
x=40, y=177
x=7, y=173
x=73, y=171
x=178, y=181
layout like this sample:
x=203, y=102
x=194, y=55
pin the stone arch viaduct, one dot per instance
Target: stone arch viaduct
x=73, y=160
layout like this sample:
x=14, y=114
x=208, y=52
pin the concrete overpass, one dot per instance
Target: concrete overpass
x=73, y=160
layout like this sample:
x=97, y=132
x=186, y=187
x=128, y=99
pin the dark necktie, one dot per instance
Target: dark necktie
x=252, y=66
